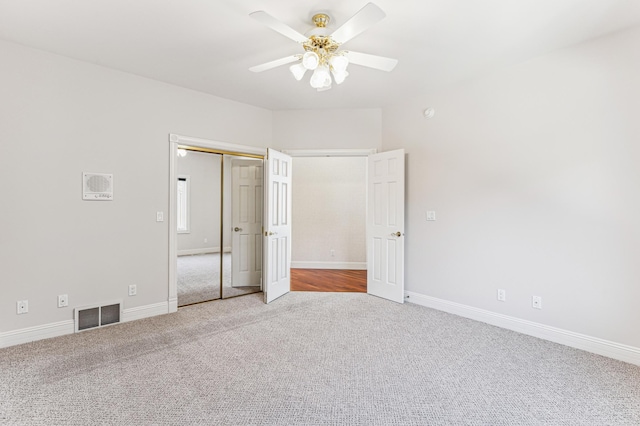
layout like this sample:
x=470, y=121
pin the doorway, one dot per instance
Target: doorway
x=329, y=223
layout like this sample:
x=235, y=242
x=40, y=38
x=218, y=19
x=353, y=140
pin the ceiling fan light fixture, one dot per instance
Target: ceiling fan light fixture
x=322, y=53
x=310, y=60
x=339, y=76
x=339, y=63
x=321, y=77
x=298, y=70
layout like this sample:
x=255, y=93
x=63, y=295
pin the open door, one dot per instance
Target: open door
x=385, y=225
x=246, y=222
x=277, y=228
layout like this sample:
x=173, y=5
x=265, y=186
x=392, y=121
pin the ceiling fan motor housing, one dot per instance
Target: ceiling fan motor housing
x=321, y=20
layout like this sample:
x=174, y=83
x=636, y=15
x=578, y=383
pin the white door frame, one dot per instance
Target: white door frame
x=329, y=152
x=321, y=153
x=365, y=153
x=175, y=141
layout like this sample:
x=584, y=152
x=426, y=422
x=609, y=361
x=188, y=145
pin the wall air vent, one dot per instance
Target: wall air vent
x=100, y=315
x=97, y=186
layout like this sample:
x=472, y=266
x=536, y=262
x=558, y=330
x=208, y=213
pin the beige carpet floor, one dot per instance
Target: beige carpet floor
x=311, y=359
x=198, y=279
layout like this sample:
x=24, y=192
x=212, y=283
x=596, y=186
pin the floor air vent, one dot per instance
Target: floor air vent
x=97, y=316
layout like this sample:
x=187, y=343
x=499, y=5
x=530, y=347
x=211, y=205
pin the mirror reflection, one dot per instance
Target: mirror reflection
x=242, y=214
x=219, y=226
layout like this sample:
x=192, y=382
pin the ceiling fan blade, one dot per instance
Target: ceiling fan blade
x=276, y=63
x=363, y=19
x=372, y=61
x=271, y=22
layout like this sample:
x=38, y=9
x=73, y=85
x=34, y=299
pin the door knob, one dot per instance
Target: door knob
x=237, y=229
x=397, y=234
x=270, y=233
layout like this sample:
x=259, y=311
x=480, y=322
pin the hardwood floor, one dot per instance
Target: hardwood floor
x=329, y=280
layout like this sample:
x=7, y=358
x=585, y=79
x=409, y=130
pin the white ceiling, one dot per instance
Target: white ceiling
x=208, y=45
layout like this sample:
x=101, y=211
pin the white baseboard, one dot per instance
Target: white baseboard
x=39, y=332
x=205, y=250
x=330, y=265
x=591, y=344
x=46, y=331
x=146, y=311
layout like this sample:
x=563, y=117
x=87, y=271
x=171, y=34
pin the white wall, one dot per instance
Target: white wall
x=533, y=173
x=327, y=129
x=61, y=117
x=315, y=130
x=205, y=192
x=329, y=212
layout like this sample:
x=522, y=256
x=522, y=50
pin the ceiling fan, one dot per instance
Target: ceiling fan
x=322, y=53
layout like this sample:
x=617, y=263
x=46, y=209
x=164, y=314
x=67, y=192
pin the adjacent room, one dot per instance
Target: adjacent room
x=169, y=167
x=329, y=209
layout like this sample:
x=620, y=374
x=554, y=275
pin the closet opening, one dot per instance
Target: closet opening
x=218, y=232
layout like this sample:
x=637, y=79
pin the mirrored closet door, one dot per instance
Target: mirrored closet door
x=219, y=225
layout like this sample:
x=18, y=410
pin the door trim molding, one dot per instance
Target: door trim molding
x=329, y=152
x=219, y=146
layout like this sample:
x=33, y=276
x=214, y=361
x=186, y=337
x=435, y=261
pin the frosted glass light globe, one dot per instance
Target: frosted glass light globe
x=298, y=71
x=310, y=60
x=339, y=77
x=321, y=77
x=339, y=63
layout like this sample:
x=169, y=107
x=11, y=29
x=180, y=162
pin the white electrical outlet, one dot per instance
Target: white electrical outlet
x=536, y=302
x=159, y=216
x=431, y=215
x=333, y=253
x=63, y=300
x=22, y=306
x=502, y=295
x=133, y=290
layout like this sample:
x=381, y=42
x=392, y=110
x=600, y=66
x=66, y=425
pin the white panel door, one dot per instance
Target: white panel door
x=246, y=222
x=277, y=228
x=385, y=225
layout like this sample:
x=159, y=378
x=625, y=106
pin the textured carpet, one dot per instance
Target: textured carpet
x=198, y=279
x=311, y=359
